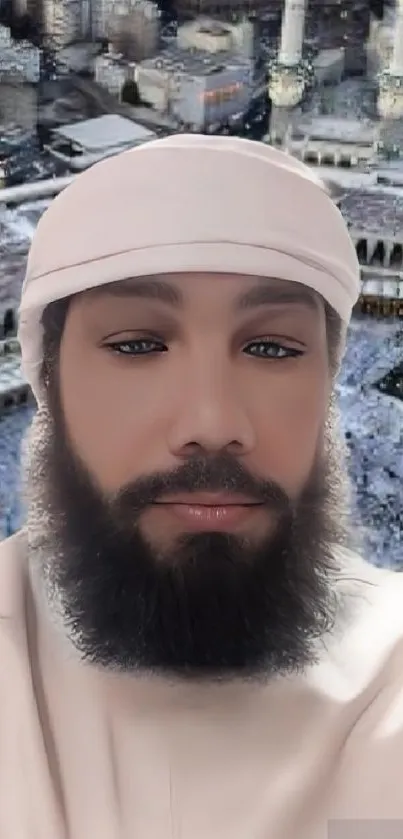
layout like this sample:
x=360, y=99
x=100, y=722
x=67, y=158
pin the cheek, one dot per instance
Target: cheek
x=291, y=430
x=117, y=429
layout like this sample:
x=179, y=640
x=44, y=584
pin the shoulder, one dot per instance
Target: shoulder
x=368, y=634
x=377, y=594
x=363, y=675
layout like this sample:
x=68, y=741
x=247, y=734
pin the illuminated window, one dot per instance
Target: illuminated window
x=222, y=94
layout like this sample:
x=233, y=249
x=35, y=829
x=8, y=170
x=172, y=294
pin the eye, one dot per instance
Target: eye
x=138, y=346
x=271, y=350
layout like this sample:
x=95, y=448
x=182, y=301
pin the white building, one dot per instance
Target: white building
x=81, y=144
x=204, y=78
x=326, y=141
x=19, y=60
x=214, y=36
x=112, y=72
x=205, y=34
x=199, y=88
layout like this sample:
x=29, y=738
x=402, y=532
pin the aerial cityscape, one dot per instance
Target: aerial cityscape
x=81, y=80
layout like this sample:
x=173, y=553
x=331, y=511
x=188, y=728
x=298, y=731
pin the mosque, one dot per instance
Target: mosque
x=360, y=157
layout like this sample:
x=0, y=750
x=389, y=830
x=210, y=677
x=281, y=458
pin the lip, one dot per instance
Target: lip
x=210, y=499
x=208, y=512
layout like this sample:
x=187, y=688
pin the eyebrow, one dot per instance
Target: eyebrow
x=264, y=293
x=145, y=288
x=267, y=294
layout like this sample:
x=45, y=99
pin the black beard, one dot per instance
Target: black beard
x=216, y=607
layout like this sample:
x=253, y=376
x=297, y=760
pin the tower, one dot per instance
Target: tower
x=287, y=73
x=390, y=96
x=292, y=33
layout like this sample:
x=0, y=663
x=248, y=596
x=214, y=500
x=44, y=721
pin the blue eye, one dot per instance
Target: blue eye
x=140, y=346
x=150, y=346
x=271, y=350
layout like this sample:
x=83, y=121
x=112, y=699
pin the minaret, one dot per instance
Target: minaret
x=390, y=98
x=288, y=78
x=292, y=33
x=390, y=95
x=396, y=64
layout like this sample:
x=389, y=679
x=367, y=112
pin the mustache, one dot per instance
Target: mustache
x=201, y=474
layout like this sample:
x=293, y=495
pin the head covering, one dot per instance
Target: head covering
x=187, y=203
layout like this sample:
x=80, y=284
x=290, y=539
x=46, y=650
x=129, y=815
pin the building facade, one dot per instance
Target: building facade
x=133, y=28
x=111, y=72
x=19, y=60
x=62, y=22
x=197, y=88
x=330, y=23
x=324, y=141
x=375, y=221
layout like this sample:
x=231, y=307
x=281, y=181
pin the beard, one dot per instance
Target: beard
x=213, y=606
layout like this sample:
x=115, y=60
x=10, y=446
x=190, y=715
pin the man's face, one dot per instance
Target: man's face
x=187, y=479
x=157, y=371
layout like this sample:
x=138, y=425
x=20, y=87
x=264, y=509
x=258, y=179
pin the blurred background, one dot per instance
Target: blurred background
x=323, y=79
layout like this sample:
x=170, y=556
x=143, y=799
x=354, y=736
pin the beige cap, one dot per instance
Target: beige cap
x=187, y=203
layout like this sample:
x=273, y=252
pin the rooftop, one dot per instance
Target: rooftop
x=376, y=211
x=338, y=129
x=327, y=57
x=352, y=99
x=108, y=131
x=206, y=25
x=194, y=62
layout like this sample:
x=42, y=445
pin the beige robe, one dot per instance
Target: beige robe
x=92, y=755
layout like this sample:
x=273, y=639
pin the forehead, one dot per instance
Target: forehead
x=180, y=290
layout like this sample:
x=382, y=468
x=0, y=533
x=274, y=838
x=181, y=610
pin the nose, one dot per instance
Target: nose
x=211, y=415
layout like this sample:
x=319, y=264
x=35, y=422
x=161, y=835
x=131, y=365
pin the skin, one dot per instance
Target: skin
x=250, y=380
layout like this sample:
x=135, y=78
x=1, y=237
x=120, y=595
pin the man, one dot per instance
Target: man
x=191, y=649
